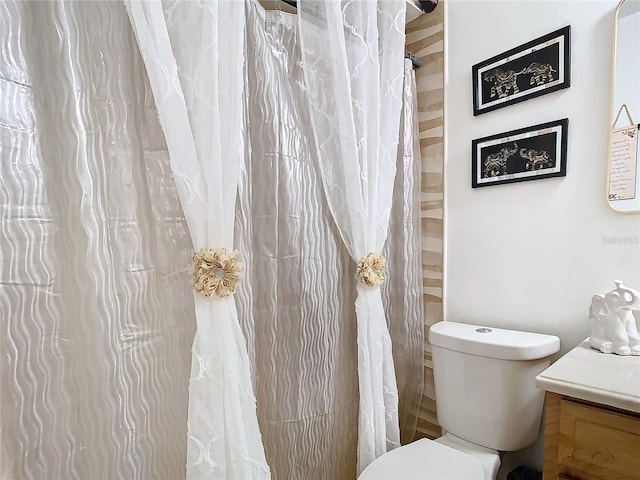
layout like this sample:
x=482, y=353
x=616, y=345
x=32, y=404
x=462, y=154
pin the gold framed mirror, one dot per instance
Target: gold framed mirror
x=623, y=172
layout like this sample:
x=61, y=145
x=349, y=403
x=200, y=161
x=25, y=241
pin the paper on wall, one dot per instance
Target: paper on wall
x=624, y=162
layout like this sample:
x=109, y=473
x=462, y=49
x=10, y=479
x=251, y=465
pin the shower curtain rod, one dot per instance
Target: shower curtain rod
x=417, y=63
x=427, y=6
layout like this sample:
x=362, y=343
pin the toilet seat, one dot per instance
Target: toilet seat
x=424, y=459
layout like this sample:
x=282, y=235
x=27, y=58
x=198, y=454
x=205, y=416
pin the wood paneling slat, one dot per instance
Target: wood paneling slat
x=425, y=39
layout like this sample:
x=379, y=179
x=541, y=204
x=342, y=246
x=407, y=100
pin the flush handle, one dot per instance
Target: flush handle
x=484, y=330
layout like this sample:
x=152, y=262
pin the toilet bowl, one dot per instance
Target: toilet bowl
x=489, y=458
x=484, y=380
x=448, y=457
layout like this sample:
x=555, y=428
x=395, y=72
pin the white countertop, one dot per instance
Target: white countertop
x=603, y=378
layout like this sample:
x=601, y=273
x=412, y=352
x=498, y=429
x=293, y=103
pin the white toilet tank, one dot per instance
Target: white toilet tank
x=484, y=379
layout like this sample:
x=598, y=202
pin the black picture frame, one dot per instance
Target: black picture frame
x=530, y=153
x=532, y=69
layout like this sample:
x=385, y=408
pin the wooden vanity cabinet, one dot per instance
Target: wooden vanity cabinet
x=589, y=441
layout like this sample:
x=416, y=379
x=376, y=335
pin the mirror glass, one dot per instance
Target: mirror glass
x=624, y=155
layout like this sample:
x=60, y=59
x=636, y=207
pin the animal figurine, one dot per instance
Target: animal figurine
x=613, y=325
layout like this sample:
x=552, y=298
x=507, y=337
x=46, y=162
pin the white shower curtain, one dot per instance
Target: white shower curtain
x=97, y=318
x=303, y=332
x=352, y=56
x=194, y=54
x=402, y=293
x=96, y=305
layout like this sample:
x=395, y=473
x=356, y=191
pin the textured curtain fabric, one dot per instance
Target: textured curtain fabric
x=299, y=288
x=97, y=320
x=96, y=302
x=352, y=56
x=194, y=54
x=402, y=293
x=298, y=272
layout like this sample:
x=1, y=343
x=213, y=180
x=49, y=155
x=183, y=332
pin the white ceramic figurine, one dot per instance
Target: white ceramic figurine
x=613, y=325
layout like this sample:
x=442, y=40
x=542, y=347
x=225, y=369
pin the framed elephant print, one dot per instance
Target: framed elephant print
x=530, y=153
x=535, y=68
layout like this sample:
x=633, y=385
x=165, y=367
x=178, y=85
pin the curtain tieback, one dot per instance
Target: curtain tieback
x=216, y=272
x=370, y=269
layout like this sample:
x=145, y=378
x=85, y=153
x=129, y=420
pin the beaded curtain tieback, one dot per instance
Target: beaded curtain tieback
x=370, y=269
x=216, y=272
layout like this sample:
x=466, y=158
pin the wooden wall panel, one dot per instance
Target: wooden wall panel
x=425, y=39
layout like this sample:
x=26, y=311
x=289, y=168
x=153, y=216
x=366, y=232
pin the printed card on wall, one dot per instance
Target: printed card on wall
x=624, y=162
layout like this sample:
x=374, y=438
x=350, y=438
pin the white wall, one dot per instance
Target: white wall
x=531, y=255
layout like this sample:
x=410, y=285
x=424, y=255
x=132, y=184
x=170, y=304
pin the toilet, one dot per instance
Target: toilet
x=487, y=403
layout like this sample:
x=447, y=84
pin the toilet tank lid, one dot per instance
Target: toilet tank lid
x=493, y=342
